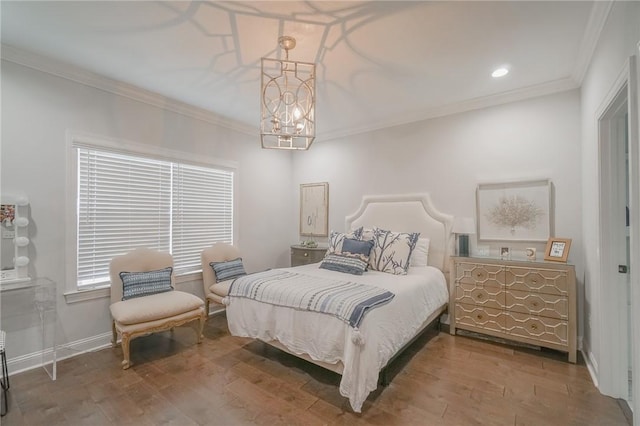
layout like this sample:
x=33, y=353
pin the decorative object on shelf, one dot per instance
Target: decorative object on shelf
x=314, y=209
x=515, y=211
x=462, y=227
x=309, y=244
x=530, y=253
x=287, y=101
x=557, y=249
x=505, y=253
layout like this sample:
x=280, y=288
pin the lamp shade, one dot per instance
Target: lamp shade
x=464, y=225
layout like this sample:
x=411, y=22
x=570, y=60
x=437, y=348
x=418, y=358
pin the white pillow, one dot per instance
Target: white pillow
x=420, y=254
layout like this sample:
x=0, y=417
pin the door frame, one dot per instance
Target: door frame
x=612, y=368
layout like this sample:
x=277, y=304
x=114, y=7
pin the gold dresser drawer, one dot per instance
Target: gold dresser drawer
x=544, y=305
x=539, y=330
x=479, y=295
x=536, y=280
x=304, y=255
x=479, y=318
x=479, y=274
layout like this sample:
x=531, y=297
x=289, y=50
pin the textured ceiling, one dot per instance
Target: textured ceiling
x=379, y=63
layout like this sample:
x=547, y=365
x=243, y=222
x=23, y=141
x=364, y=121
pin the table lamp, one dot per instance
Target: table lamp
x=462, y=227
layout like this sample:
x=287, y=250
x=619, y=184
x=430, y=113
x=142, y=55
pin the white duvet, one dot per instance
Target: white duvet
x=383, y=331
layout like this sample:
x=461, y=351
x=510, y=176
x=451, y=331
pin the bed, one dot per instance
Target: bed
x=359, y=353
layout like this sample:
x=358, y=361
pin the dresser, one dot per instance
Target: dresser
x=301, y=255
x=528, y=302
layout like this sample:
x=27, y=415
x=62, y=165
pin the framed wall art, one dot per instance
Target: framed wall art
x=515, y=211
x=557, y=249
x=314, y=209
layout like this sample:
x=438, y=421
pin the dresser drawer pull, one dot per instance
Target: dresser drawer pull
x=534, y=304
x=479, y=316
x=534, y=326
x=305, y=254
x=479, y=296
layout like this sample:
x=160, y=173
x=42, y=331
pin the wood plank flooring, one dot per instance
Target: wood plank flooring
x=440, y=380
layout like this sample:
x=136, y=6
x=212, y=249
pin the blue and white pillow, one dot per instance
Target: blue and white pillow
x=228, y=270
x=336, y=239
x=361, y=249
x=392, y=250
x=138, y=284
x=344, y=263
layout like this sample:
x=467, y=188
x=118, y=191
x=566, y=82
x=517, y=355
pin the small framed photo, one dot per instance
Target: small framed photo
x=505, y=253
x=557, y=249
x=530, y=252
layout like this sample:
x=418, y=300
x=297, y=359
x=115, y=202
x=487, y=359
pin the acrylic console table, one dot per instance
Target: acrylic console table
x=28, y=315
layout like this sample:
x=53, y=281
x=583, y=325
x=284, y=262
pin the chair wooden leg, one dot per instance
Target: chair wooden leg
x=126, y=362
x=4, y=382
x=200, y=329
x=206, y=308
x=114, y=339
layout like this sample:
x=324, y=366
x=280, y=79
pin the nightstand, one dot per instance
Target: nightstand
x=301, y=255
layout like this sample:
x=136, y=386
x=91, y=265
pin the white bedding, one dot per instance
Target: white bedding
x=384, y=330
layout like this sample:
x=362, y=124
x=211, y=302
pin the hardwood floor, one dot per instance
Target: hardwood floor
x=226, y=380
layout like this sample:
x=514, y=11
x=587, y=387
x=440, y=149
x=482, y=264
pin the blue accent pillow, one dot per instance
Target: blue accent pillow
x=138, y=284
x=228, y=270
x=336, y=239
x=354, y=246
x=344, y=263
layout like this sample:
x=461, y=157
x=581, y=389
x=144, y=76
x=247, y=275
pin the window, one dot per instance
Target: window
x=127, y=200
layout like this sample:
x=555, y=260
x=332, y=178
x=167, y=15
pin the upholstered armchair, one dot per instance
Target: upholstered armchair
x=143, y=300
x=215, y=291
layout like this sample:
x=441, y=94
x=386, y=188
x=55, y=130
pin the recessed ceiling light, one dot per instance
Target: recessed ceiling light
x=500, y=72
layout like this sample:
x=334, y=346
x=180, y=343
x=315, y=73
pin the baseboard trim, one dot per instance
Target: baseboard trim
x=592, y=366
x=40, y=359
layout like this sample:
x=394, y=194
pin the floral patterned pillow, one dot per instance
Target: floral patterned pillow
x=392, y=250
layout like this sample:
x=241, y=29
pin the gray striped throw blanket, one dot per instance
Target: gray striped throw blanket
x=346, y=300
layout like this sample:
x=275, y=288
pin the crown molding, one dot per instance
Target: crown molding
x=597, y=19
x=544, y=89
x=79, y=75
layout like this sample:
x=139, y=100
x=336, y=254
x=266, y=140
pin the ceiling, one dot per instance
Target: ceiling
x=379, y=63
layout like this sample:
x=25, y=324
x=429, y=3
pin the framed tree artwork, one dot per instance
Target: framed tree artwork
x=314, y=209
x=515, y=211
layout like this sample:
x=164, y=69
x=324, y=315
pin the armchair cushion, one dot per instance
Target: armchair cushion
x=221, y=289
x=138, y=284
x=155, y=307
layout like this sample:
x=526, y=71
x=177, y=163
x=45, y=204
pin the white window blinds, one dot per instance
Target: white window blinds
x=127, y=201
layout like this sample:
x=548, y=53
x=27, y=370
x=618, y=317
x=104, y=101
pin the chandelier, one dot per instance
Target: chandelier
x=287, y=101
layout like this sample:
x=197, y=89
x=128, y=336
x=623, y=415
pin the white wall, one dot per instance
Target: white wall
x=37, y=111
x=617, y=42
x=448, y=157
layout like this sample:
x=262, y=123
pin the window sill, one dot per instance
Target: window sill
x=101, y=292
x=84, y=295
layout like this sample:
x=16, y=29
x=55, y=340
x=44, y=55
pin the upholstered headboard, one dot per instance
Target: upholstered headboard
x=408, y=213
